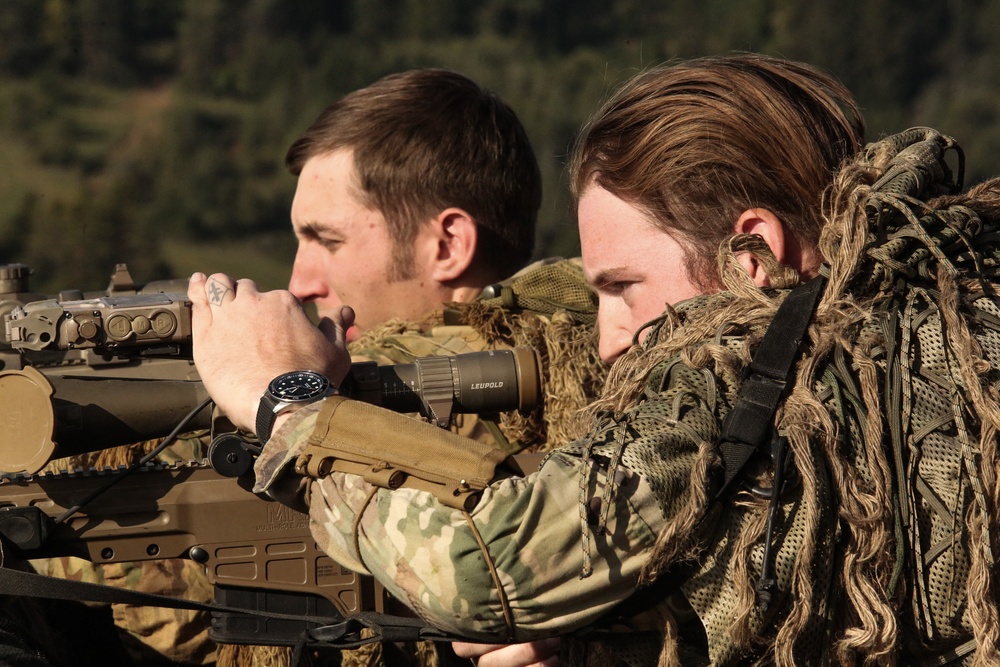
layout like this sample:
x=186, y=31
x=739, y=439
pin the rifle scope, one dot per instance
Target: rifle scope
x=474, y=383
x=47, y=416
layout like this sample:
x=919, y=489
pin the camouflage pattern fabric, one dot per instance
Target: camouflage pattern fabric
x=174, y=635
x=548, y=553
x=885, y=538
x=152, y=635
x=512, y=569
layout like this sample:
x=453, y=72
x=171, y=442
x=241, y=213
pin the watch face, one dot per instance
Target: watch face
x=299, y=386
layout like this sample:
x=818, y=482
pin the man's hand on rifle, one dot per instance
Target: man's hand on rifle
x=540, y=653
x=244, y=338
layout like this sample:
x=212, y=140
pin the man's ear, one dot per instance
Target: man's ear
x=765, y=224
x=456, y=234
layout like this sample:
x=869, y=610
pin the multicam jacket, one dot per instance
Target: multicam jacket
x=885, y=532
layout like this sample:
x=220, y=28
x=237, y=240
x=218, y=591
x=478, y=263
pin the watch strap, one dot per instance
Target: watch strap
x=266, y=415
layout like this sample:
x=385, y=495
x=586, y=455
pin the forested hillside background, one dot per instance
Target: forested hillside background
x=154, y=131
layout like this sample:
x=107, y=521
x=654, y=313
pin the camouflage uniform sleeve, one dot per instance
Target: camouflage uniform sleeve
x=538, y=555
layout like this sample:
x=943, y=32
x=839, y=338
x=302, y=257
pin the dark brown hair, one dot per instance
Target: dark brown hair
x=697, y=143
x=429, y=139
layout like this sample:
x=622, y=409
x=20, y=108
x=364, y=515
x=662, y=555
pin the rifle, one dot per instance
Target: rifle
x=82, y=380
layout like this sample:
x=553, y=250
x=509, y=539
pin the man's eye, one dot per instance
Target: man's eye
x=617, y=287
x=329, y=244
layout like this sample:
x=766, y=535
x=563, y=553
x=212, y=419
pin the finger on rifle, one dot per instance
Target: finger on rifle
x=474, y=650
x=220, y=289
x=539, y=653
x=196, y=293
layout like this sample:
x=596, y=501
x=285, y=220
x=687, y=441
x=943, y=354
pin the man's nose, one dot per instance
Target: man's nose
x=614, y=335
x=306, y=281
x=614, y=345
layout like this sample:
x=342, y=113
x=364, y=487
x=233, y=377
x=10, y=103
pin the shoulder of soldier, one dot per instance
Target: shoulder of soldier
x=399, y=342
x=542, y=288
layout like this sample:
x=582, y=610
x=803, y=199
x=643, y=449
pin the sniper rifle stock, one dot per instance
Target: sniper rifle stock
x=257, y=553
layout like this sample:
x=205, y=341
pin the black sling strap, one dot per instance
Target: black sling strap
x=30, y=584
x=748, y=426
x=342, y=633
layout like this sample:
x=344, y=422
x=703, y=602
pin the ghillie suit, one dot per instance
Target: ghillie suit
x=887, y=533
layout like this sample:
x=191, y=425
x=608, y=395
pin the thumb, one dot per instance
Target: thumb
x=335, y=329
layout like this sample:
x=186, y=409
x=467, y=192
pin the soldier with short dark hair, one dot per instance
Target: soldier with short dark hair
x=417, y=190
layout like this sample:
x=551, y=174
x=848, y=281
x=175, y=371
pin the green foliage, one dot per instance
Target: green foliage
x=57, y=239
x=134, y=129
x=21, y=46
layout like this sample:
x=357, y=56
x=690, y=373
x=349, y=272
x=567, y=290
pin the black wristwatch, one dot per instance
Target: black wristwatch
x=287, y=391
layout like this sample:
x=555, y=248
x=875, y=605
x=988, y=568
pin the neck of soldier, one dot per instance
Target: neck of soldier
x=464, y=293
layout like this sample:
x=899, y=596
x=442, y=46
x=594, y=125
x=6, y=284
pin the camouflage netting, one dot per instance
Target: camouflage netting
x=376, y=337
x=892, y=420
x=550, y=308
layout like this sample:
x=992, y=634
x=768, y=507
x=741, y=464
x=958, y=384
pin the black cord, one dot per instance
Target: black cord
x=167, y=441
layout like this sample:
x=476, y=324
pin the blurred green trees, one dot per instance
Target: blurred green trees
x=154, y=131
